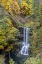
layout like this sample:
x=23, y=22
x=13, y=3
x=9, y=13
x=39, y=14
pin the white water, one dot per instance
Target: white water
x=25, y=44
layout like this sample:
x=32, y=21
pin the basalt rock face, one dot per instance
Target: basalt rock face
x=2, y=11
x=40, y=0
x=20, y=35
x=17, y=20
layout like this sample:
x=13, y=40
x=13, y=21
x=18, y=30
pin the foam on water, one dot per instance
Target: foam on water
x=25, y=43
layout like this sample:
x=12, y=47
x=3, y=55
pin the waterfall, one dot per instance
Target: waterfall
x=25, y=43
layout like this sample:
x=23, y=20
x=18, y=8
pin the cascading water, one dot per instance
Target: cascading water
x=25, y=44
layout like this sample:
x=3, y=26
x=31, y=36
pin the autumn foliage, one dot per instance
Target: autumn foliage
x=7, y=34
x=24, y=8
x=13, y=6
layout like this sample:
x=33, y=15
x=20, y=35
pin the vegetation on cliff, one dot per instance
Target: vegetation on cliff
x=7, y=34
x=26, y=13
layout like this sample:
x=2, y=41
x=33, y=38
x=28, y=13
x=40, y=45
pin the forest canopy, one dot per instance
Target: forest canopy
x=15, y=14
x=7, y=33
x=13, y=6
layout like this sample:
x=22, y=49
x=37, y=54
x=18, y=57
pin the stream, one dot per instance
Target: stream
x=20, y=57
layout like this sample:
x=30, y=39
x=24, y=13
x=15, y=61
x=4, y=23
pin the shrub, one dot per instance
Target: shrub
x=7, y=34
